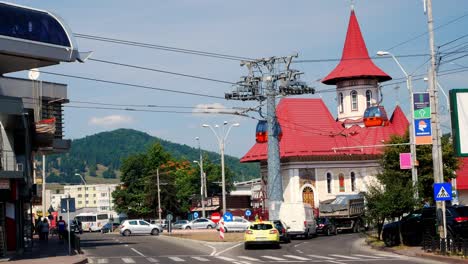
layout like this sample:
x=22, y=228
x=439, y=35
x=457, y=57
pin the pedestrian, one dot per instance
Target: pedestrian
x=45, y=229
x=61, y=227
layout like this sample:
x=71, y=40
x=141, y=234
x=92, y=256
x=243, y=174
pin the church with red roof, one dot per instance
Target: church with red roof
x=322, y=155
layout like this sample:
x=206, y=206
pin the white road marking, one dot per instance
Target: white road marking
x=296, y=257
x=213, y=248
x=299, y=251
x=138, y=252
x=90, y=260
x=152, y=260
x=225, y=258
x=366, y=256
x=200, y=259
x=389, y=255
x=227, y=249
x=320, y=257
x=126, y=245
x=102, y=261
x=300, y=244
x=128, y=260
x=176, y=259
x=273, y=258
x=336, y=262
x=249, y=258
x=345, y=257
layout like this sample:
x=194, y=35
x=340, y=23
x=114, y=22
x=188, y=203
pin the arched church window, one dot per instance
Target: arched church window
x=341, y=182
x=341, y=101
x=368, y=98
x=329, y=182
x=353, y=181
x=354, y=101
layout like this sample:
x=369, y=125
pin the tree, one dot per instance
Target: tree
x=393, y=194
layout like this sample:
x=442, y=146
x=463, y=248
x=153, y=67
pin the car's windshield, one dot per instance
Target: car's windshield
x=463, y=211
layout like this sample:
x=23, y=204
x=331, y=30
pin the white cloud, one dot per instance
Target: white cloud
x=111, y=120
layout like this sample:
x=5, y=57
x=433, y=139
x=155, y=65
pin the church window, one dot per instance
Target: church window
x=341, y=99
x=354, y=101
x=329, y=182
x=353, y=181
x=341, y=182
x=368, y=98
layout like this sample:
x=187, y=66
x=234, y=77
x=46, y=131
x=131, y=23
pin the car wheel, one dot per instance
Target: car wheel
x=277, y=246
x=127, y=232
x=188, y=227
x=336, y=231
x=288, y=239
x=209, y=227
x=306, y=235
x=155, y=232
x=390, y=240
x=328, y=232
x=246, y=247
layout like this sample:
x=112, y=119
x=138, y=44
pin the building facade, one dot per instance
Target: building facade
x=97, y=196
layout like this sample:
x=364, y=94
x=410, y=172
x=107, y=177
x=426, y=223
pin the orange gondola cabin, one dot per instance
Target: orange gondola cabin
x=375, y=116
x=261, y=132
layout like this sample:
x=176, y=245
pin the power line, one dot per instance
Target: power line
x=147, y=110
x=130, y=84
x=161, y=71
x=161, y=47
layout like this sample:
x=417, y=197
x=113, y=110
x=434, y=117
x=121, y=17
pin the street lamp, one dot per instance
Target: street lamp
x=84, y=182
x=414, y=170
x=221, y=139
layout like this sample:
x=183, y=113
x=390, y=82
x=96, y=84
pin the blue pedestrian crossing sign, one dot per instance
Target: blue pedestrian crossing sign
x=227, y=217
x=442, y=191
x=195, y=215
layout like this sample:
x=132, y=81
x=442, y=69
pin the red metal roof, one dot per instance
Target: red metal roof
x=309, y=129
x=462, y=175
x=355, y=61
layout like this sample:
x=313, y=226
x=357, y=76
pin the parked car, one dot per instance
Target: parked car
x=107, y=227
x=300, y=218
x=237, y=224
x=199, y=223
x=161, y=222
x=326, y=226
x=283, y=231
x=180, y=224
x=75, y=226
x=423, y=222
x=138, y=226
x=261, y=233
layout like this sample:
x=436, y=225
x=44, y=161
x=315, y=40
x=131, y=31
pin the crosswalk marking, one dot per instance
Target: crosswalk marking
x=177, y=259
x=273, y=258
x=90, y=260
x=225, y=258
x=320, y=257
x=249, y=258
x=128, y=260
x=296, y=257
x=388, y=255
x=366, y=256
x=200, y=259
x=152, y=260
x=102, y=261
x=345, y=257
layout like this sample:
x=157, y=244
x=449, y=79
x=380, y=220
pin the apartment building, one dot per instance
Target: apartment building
x=97, y=196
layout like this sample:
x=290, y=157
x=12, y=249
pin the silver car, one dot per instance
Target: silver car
x=138, y=226
x=200, y=223
x=237, y=224
x=180, y=224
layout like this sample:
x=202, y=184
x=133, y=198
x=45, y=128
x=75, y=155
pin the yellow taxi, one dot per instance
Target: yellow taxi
x=261, y=233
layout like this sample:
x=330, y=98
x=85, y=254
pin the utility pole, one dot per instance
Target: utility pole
x=265, y=81
x=43, y=185
x=159, y=196
x=202, y=185
x=436, y=136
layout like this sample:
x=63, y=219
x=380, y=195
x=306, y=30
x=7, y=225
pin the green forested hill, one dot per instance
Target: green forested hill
x=99, y=157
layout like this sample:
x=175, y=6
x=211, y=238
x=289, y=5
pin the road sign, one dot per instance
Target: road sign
x=227, y=217
x=67, y=207
x=169, y=217
x=423, y=131
x=405, y=161
x=421, y=105
x=195, y=215
x=248, y=213
x=215, y=217
x=442, y=191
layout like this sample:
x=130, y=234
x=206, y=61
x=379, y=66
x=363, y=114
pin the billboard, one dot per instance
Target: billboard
x=459, y=115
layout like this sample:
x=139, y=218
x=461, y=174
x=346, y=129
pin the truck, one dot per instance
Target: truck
x=347, y=211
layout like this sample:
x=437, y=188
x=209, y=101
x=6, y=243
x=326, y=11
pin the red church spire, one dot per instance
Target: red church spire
x=355, y=61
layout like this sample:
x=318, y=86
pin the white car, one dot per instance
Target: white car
x=200, y=223
x=237, y=224
x=138, y=226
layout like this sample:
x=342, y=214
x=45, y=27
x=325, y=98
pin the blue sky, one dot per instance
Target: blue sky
x=314, y=29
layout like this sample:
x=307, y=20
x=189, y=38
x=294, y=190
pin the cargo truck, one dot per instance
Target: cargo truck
x=347, y=211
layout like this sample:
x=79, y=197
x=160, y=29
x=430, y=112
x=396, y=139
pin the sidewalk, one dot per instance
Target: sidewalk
x=53, y=251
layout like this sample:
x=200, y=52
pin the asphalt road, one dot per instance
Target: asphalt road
x=340, y=249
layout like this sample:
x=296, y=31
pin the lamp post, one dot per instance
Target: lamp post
x=221, y=139
x=84, y=182
x=414, y=170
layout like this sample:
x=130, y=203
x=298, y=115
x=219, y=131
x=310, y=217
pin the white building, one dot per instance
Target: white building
x=97, y=196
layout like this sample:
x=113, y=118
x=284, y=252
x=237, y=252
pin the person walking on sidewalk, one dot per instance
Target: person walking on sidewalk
x=45, y=229
x=62, y=226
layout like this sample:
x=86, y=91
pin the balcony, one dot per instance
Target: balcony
x=9, y=167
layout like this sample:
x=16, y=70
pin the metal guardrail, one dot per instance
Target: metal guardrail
x=453, y=246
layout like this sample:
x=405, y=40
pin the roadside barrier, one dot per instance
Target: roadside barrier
x=451, y=246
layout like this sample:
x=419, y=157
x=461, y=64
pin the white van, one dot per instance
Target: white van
x=299, y=217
